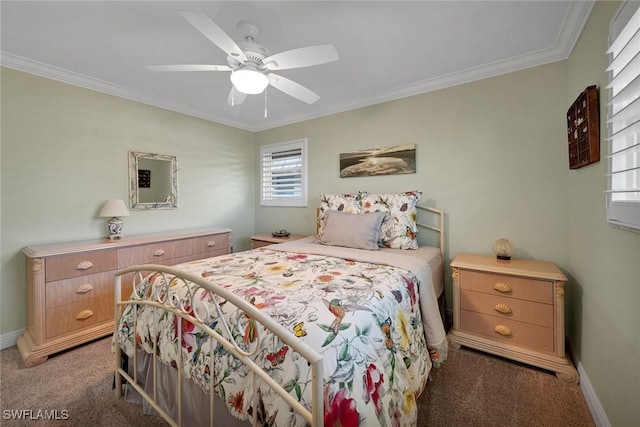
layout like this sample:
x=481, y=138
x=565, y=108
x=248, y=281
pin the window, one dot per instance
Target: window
x=283, y=174
x=623, y=169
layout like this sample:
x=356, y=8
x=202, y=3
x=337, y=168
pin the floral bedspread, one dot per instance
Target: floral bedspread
x=364, y=318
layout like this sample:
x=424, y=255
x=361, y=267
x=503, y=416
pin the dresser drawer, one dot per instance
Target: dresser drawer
x=515, y=287
x=78, y=315
x=60, y=292
x=74, y=265
x=520, y=333
x=508, y=308
x=154, y=253
x=217, y=243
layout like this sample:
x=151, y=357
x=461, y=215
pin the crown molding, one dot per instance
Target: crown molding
x=574, y=22
x=575, y=19
x=16, y=62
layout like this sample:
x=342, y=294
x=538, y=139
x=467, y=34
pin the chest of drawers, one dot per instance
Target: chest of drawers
x=70, y=286
x=513, y=309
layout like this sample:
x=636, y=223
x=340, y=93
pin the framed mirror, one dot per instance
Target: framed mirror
x=153, y=181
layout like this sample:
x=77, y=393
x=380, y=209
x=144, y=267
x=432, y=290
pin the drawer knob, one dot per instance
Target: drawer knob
x=84, y=265
x=84, y=314
x=159, y=252
x=84, y=289
x=503, y=330
x=502, y=287
x=211, y=244
x=503, y=308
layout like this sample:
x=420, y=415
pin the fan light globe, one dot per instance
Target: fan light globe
x=249, y=81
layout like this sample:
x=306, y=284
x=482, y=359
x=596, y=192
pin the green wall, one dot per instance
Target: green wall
x=604, y=262
x=64, y=152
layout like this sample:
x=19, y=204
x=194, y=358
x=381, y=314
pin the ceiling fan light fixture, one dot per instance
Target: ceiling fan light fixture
x=249, y=81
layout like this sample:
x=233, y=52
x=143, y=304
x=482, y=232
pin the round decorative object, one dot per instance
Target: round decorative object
x=503, y=249
x=281, y=233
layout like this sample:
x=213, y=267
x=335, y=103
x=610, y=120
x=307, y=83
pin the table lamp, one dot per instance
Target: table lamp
x=114, y=209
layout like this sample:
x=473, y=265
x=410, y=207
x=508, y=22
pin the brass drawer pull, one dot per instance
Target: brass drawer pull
x=503, y=308
x=211, y=244
x=502, y=287
x=84, y=265
x=503, y=330
x=84, y=289
x=84, y=314
x=159, y=252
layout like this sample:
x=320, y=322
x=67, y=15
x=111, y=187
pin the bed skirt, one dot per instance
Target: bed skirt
x=195, y=402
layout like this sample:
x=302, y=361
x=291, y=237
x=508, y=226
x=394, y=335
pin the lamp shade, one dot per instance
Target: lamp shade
x=249, y=81
x=113, y=208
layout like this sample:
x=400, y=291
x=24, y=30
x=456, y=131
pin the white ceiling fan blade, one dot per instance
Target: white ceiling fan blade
x=188, y=67
x=302, y=57
x=235, y=97
x=214, y=33
x=292, y=88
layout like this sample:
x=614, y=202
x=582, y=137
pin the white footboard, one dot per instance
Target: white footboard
x=163, y=300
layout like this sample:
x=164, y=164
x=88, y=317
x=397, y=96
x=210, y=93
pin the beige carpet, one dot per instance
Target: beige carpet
x=471, y=389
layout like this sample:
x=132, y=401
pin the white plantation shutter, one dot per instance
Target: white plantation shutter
x=283, y=174
x=623, y=170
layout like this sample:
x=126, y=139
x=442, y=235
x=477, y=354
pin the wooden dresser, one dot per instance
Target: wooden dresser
x=513, y=309
x=70, y=286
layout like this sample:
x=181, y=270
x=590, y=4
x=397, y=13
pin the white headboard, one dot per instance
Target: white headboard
x=438, y=221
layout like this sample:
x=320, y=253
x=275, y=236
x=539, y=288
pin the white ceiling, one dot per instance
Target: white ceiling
x=387, y=49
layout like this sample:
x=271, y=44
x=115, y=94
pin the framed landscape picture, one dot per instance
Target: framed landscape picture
x=399, y=159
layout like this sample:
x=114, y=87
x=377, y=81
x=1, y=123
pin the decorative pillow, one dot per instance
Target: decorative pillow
x=399, y=229
x=349, y=203
x=360, y=231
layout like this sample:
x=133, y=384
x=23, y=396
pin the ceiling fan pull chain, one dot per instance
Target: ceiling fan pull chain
x=232, y=97
x=265, y=103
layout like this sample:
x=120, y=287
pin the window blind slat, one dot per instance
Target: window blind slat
x=625, y=76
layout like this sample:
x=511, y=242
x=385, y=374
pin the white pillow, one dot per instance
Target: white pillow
x=360, y=231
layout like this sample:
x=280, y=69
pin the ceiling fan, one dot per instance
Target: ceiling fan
x=250, y=64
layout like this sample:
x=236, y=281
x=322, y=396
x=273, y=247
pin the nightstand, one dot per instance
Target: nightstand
x=513, y=309
x=260, y=240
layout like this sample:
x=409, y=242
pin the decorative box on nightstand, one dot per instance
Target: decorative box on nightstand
x=260, y=240
x=514, y=309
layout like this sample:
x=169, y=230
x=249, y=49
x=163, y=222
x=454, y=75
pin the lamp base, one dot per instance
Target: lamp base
x=503, y=257
x=115, y=228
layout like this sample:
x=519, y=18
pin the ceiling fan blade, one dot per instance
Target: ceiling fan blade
x=292, y=88
x=188, y=67
x=302, y=57
x=235, y=97
x=214, y=33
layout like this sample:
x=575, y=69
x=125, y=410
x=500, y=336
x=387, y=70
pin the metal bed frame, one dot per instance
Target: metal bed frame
x=164, y=300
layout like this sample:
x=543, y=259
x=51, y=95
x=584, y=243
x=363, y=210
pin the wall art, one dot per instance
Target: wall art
x=399, y=159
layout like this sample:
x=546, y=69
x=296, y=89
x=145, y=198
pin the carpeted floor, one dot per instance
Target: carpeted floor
x=471, y=389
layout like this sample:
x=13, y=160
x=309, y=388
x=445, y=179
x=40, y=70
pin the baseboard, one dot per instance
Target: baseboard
x=589, y=393
x=9, y=339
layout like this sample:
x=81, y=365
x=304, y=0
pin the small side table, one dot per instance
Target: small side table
x=513, y=309
x=260, y=240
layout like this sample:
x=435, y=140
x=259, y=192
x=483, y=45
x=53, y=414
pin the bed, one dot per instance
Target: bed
x=299, y=333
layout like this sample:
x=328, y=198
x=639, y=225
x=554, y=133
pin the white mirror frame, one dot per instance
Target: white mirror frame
x=171, y=201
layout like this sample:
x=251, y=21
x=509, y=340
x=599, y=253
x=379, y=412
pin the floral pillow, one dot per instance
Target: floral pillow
x=399, y=229
x=348, y=203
